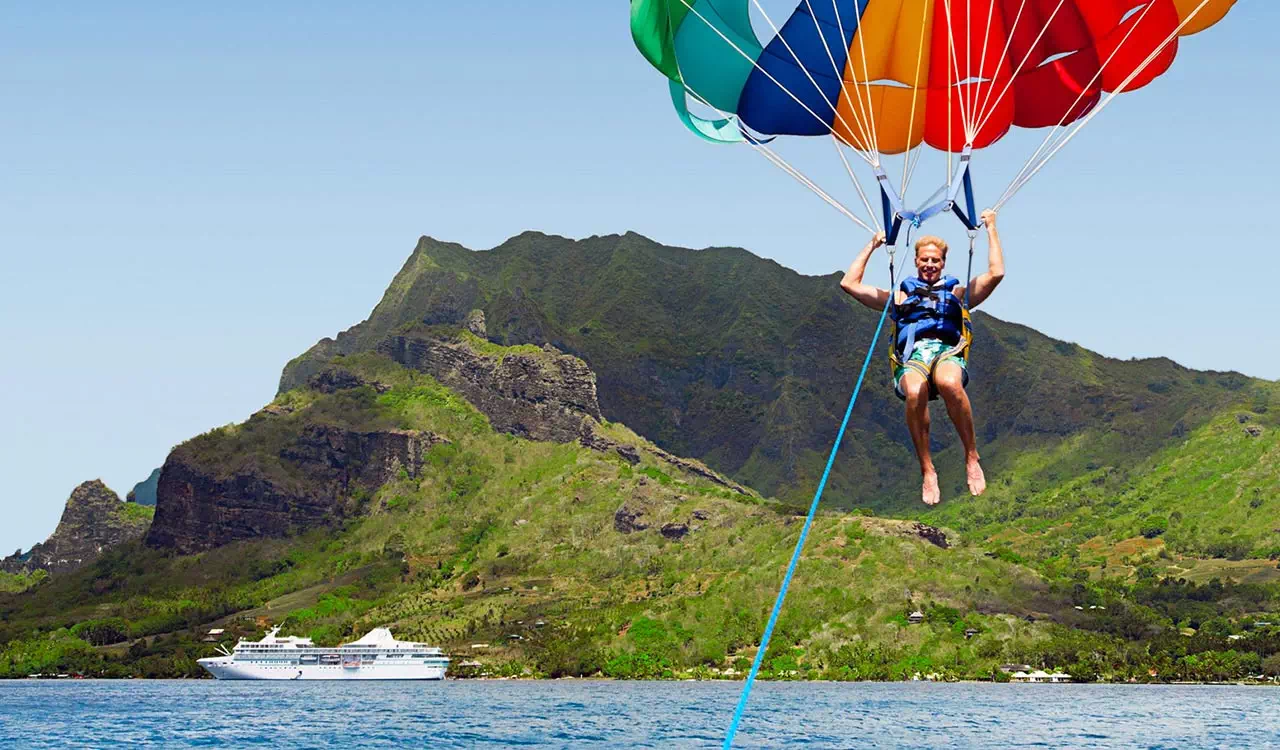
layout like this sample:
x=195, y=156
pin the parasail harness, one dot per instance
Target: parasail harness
x=929, y=309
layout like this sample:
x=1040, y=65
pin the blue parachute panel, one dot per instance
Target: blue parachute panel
x=813, y=35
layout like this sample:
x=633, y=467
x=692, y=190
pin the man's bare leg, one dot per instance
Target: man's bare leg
x=916, y=390
x=949, y=380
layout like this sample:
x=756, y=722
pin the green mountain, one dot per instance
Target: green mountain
x=577, y=551
x=735, y=360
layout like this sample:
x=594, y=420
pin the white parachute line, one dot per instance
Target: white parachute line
x=982, y=60
x=780, y=163
x=857, y=184
x=862, y=46
x=1013, y=189
x=778, y=35
x=868, y=134
x=1004, y=55
x=968, y=53
x=936, y=194
x=862, y=129
x=1054, y=132
x=915, y=162
x=756, y=65
x=986, y=114
x=955, y=65
x=915, y=93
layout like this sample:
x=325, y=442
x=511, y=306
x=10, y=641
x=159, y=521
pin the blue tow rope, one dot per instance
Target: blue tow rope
x=804, y=533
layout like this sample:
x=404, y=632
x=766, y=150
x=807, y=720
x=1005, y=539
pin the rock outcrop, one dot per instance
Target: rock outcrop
x=308, y=483
x=475, y=323
x=93, y=521
x=626, y=520
x=545, y=395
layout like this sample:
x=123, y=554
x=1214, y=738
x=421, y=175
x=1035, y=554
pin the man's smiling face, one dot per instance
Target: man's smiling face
x=929, y=262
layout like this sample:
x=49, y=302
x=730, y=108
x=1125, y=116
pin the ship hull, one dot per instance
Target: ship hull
x=227, y=669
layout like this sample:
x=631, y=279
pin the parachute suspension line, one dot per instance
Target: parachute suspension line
x=968, y=62
x=689, y=4
x=871, y=112
x=799, y=176
x=804, y=532
x=982, y=61
x=915, y=162
x=866, y=73
x=759, y=147
x=1004, y=55
x=908, y=168
x=1054, y=131
x=985, y=114
x=1020, y=181
x=857, y=184
x=834, y=110
x=865, y=124
x=965, y=120
x=864, y=120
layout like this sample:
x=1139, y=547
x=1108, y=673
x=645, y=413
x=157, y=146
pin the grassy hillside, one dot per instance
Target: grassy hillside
x=567, y=560
x=1215, y=493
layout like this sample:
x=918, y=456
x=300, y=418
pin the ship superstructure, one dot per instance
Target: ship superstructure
x=376, y=656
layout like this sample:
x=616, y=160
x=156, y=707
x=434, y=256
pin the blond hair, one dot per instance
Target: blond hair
x=937, y=242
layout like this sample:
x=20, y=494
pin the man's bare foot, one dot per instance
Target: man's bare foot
x=930, y=493
x=977, y=480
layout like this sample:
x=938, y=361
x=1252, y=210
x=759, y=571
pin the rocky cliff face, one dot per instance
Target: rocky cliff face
x=294, y=467
x=311, y=481
x=93, y=521
x=540, y=396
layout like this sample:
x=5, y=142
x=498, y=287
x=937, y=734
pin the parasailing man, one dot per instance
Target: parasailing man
x=930, y=311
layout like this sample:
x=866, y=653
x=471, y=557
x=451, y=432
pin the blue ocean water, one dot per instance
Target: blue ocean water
x=587, y=713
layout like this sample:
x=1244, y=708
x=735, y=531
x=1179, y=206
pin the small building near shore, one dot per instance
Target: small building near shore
x=915, y=618
x=1040, y=675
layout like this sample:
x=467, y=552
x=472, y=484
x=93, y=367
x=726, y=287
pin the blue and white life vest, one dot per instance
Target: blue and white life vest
x=928, y=312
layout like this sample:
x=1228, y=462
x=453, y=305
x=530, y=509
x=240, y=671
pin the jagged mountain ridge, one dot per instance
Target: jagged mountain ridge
x=747, y=365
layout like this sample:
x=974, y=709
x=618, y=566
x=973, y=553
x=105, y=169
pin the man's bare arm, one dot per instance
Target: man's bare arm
x=871, y=296
x=982, y=287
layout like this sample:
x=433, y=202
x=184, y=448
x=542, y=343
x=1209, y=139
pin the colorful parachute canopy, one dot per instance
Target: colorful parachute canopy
x=886, y=75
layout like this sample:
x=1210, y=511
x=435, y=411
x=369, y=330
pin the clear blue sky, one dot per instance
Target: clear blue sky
x=190, y=196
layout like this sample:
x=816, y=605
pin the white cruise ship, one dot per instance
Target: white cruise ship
x=376, y=656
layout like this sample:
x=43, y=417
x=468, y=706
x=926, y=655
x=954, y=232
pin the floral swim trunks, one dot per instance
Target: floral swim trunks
x=921, y=360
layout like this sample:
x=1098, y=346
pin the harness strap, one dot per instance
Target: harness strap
x=966, y=335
